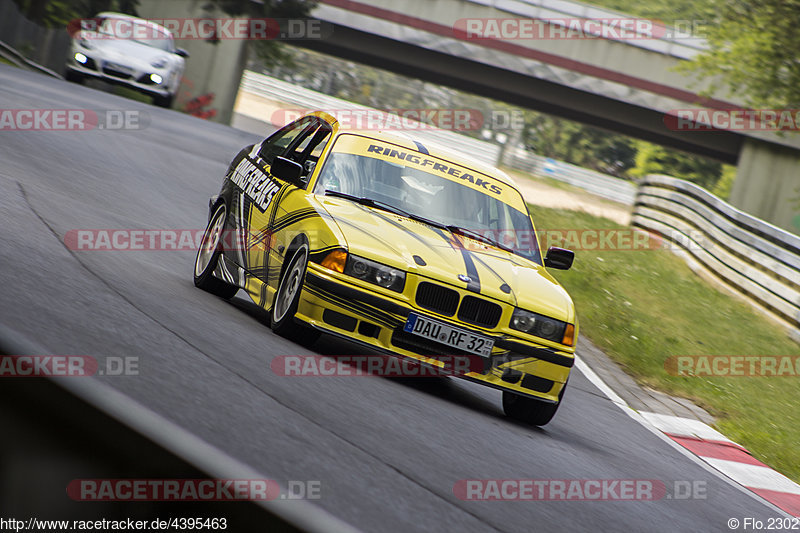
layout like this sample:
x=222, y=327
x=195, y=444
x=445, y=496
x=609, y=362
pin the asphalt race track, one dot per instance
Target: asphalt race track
x=387, y=452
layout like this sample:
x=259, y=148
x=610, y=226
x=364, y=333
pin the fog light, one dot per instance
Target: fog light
x=156, y=78
x=80, y=58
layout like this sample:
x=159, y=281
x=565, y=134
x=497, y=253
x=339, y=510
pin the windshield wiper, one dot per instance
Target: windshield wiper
x=472, y=234
x=377, y=204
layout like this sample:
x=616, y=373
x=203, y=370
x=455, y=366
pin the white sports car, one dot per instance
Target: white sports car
x=129, y=51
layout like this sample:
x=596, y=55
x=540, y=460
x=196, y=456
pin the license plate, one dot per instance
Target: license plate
x=462, y=339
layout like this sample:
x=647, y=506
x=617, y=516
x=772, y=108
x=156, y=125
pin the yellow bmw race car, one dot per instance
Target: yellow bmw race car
x=408, y=249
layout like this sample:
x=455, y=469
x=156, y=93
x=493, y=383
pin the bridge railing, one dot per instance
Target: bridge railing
x=748, y=255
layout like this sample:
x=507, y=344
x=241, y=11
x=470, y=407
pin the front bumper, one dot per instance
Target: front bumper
x=367, y=317
x=137, y=79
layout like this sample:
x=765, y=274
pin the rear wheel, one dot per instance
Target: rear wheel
x=530, y=410
x=208, y=257
x=287, y=299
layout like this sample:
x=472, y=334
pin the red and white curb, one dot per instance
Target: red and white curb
x=711, y=449
x=729, y=458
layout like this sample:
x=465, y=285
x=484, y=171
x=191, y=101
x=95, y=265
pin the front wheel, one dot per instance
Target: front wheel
x=287, y=299
x=530, y=410
x=208, y=256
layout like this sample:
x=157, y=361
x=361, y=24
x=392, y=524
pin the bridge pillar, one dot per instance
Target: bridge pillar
x=767, y=184
x=213, y=71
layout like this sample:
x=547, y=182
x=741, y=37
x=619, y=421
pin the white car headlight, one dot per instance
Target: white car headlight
x=159, y=63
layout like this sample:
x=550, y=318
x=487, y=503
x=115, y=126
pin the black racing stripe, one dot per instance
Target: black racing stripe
x=316, y=256
x=360, y=310
x=349, y=295
x=493, y=271
x=421, y=148
x=294, y=218
x=474, y=283
x=398, y=225
x=370, y=312
x=539, y=353
x=345, y=222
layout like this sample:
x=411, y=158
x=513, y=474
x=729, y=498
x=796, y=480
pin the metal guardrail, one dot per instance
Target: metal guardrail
x=756, y=259
x=83, y=427
x=306, y=99
x=603, y=185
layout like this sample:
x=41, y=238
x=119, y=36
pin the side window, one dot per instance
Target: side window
x=310, y=147
x=278, y=143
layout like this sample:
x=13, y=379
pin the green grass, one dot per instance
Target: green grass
x=641, y=307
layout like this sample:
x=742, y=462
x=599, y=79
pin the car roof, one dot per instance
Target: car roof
x=138, y=20
x=412, y=142
x=435, y=149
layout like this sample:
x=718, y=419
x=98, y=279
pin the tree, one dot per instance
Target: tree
x=755, y=51
x=656, y=159
x=269, y=52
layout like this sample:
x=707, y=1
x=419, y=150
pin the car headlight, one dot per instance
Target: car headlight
x=542, y=326
x=382, y=275
x=84, y=43
x=159, y=63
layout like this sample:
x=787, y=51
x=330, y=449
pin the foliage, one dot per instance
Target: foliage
x=656, y=159
x=754, y=48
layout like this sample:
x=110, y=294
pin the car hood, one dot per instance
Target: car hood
x=126, y=51
x=395, y=240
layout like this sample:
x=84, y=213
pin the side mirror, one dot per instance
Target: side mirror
x=181, y=52
x=559, y=258
x=287, y=170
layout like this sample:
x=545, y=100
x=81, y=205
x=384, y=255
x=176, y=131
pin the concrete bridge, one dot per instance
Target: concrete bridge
x=621, y=81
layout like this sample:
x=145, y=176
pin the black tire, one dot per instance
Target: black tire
x=530, y=410
x=163, y=100
x=287, y=298
x=74, y=77
x=208, y=256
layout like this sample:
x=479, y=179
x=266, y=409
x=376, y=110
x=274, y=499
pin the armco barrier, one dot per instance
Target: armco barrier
x=753, y=257
x=61, y=429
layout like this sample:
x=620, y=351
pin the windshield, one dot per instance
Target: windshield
x=135, y=31
x=432, y=196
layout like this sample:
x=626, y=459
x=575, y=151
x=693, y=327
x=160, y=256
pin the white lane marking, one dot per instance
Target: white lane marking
x=619, y=402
